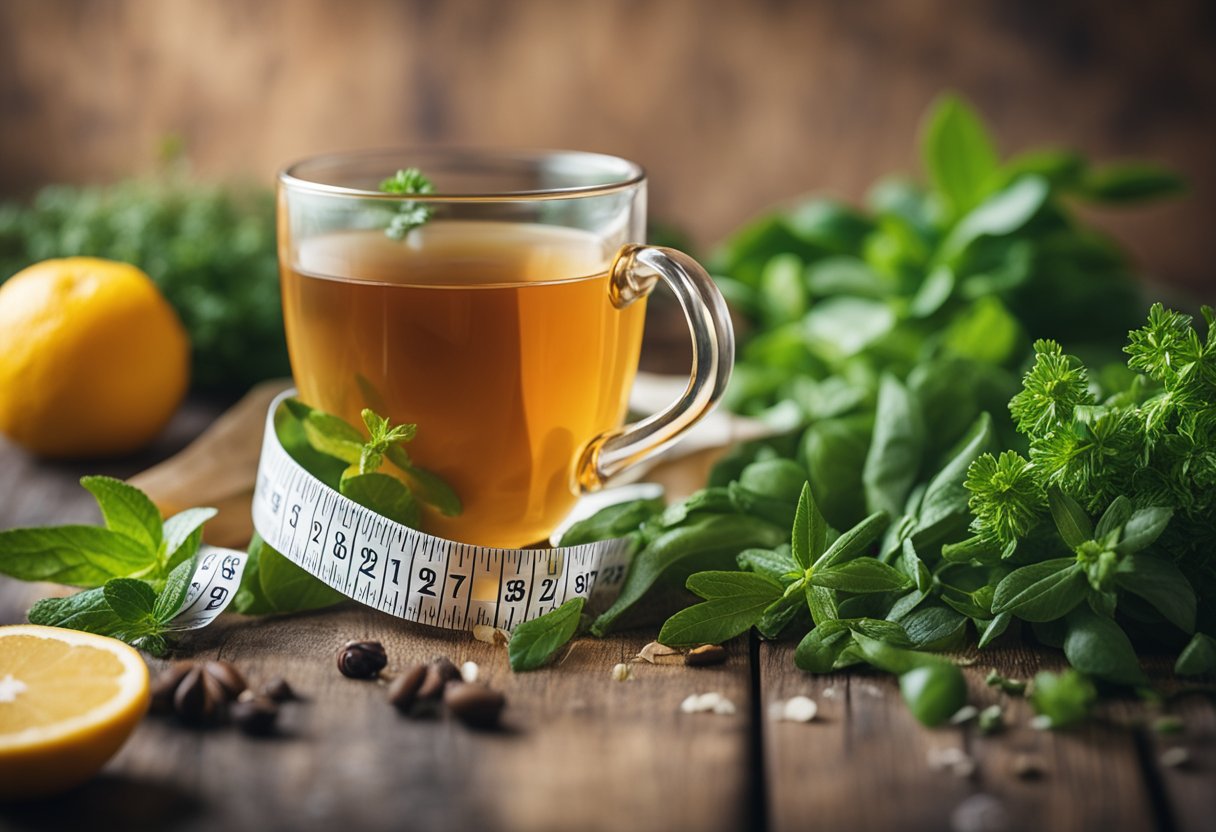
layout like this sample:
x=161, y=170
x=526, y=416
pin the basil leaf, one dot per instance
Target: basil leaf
x=85, y=556
x=1142, y=529
x=1113, y=519
x=855, y=541
x=1002, y=213
x=184, y=534
x=894, y=458
x=860, y=575
x=913, y=567
x=126, y=510
x=809, y=538
x=131, y=599
x=432, y=489
x=1163, y=585
x=534, y=642
x=1072, y=521
x=994, y=629
x=935, y=628
x=1198, y=658
x=706, y=542
x=1042, y=591
x=958, y=154
x=820, y=648
x=170, y=600
x=1096, y=645
x=384, y=495
x=612, y=521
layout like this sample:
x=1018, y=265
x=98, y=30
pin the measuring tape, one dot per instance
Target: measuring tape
x=413, y=575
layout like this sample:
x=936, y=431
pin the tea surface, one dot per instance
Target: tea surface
x=498, y=339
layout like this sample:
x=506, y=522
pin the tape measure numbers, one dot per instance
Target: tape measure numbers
x=413, y=575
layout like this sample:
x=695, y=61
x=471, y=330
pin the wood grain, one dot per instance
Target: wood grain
x=731, y=105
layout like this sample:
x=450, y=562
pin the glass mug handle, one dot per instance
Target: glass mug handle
x=634, y=273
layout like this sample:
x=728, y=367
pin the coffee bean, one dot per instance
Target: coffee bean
x=165, y=686
x=229, y=678
x=255, y=715
x=440, y=672
x=278, y=690
x=199, y=698
x=403, y=692
x=474, y=704
x=705, y=655
x=362, y=659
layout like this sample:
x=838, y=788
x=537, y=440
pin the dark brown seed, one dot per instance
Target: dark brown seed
x=362, y=659
x=166, y=685
x=229, y=678
x=705, y=655
x=278, y=690
x=198, y=698
x=474, y=704
x=403, y=692
x=439, y=673
x=255, y=715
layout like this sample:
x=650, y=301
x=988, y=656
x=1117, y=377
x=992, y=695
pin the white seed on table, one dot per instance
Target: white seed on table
x=799, y=709
x=699, y=703
x=1175, y=757
x=964, y=714
x=469, y=671
x=621, y=673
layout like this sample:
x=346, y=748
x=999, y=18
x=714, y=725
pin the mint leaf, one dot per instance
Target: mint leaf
x=132, y=600
x=184, y=534
x=431, y=489
x=855, y=541
x=1003, y=213
x=958, y=154
x=735, y=602
x=169, y=602
x=1142, y=529
x=384, y=495
x=860, y=575
x=1163, y=585
x=126, y=510
x=288, y=588
x=898, y=443
x=1097, y=646
x=410, y=214
x=84, y=556
x=88, y=611
x=612, y=521
x=331, y=435
x=534, y=642
x=1042, y=591
x=810, y=534
x=1071, y=520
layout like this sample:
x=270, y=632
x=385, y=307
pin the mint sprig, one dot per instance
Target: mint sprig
x=410, y=214
x=136, y=570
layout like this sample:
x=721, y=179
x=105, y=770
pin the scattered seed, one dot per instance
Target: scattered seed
x=799, y=709
x=980, y=813
x=992, y=719
x=1013, y=687
x=621, y=673
x=705, y=655
x=403, y=692
x=1027, y=767
x=166, y=685
x=1175, y=757
x=362, y=659
x=724, y=706
x=199, y=698
x=278, y=690
x=229, y=678
x=655, y=653
x=1168, y=724
x=871, y=690
x=964, y=714
x=474, y=704
x=491, y=635
x=439, y=673
x=699, y=703
x=469, y=671
x=952, y=759
x=829, y=693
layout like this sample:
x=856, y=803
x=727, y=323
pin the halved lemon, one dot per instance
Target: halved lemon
x=68, y=701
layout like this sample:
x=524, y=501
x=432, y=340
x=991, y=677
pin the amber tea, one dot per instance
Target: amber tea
x=498, y=339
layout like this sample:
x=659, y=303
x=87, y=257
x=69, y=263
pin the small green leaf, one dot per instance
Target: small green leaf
x=534, y=642
x=735, y=602
x=85, y=556
x=132, y=600
x=820, y=648
x=854, y=542
x=821, y=602
x=898, y=443
x=331, y=435
x=1113, y=519
x=933, y=692
x=1097, y=646
x=772, y=563
x=1071, y=520
x=184, y=534
x=892, y=658
x=1198, y=658
x=612, y=521
x=1163, y=585
x=809, y=538
x=1003, y=213
x=994, y=629
x=126, y=510
x=935, y=628
x=1130, y=182
x=1064, y=699
x=958, y=154
x=1041, y=591
x=433, y=490
x=385, y=495
x=88, y=611
x=288, y=588
x=169, y=602
x=860, y=575
x=1142, y=529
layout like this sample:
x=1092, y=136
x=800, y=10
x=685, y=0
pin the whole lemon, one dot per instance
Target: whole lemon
x=93, y=360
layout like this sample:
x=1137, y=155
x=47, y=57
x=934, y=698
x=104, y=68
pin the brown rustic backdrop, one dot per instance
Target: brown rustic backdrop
x=731, y=105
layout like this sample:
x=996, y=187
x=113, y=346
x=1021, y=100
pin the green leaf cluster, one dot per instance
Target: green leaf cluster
x=350, y=462
x=210, y=250
x=135, y=570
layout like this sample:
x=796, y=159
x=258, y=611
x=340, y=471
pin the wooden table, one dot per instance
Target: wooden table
x=583, y=752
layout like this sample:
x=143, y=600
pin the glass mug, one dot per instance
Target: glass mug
x=507, y=325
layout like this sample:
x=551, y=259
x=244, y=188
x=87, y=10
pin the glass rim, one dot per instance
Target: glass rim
x=291, y=176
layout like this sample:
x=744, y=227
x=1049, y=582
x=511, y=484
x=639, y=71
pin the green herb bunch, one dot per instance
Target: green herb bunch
x=350, y=462
x=210, y=249
x=136, y=570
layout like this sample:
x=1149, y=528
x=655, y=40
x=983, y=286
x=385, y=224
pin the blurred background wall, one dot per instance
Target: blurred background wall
x=731, y=105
